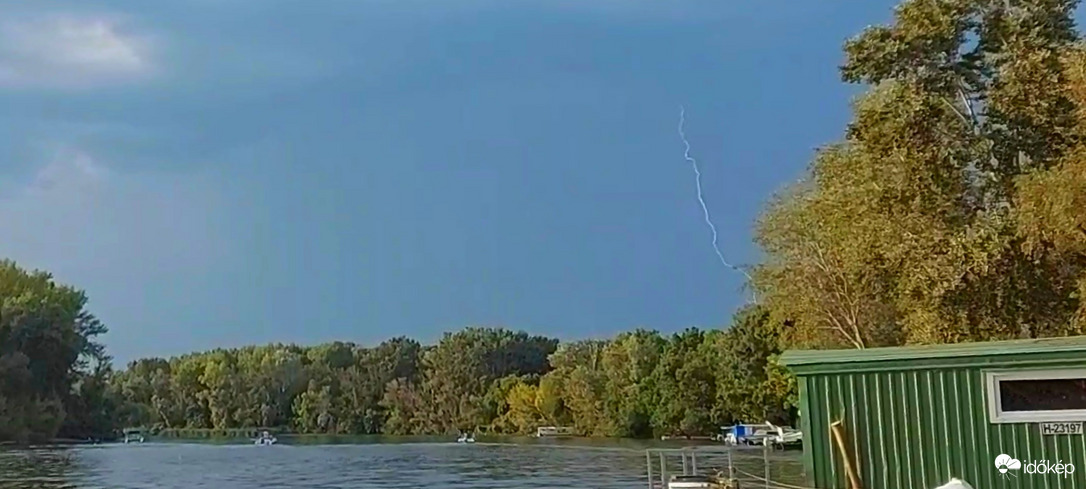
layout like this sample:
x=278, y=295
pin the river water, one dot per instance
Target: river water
x=322, y=463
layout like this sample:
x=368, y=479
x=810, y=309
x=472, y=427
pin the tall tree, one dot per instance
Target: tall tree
x=908, y=230
x=50, y=361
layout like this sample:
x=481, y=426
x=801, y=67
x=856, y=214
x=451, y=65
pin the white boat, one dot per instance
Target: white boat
x=691, y=482
x=784, y=436
x=133, y=435
x=761, y=434
x=265, y=439
x=749, y=434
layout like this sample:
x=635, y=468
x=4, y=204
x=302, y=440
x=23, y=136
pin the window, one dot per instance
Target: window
x=1036, y=396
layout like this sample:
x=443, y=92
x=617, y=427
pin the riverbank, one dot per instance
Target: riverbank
x=310, y=439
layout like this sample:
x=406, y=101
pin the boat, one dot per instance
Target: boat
x=784, y=436
x=690, y=477
x=133, y=435
x=760, y=434
x=553, y=431
x=265, y=439
x=692, y=482
x=747, y=434
x=466, y=438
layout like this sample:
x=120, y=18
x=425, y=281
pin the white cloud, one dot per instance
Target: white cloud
x=69, y=171
x=71, y=51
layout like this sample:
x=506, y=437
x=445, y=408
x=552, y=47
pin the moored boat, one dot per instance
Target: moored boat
x=761, y=434
x=553, y=431
x=133, y=435
x=691, y=482
x=785, y=436
x=265, y=438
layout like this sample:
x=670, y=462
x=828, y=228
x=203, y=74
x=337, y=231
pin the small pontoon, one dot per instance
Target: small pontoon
x=553, y=431
x=265, y=438
x=133, y=435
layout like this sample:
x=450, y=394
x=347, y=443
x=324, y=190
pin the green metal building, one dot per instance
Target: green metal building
x=916, y=416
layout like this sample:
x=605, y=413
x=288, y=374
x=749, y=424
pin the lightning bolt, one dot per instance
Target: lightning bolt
x=701, y=200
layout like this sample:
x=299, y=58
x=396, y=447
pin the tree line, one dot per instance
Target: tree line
x=952, y=209
x=635, y=385
x=57, y=381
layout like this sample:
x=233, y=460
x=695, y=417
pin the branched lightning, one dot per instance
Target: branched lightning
x=701, y=198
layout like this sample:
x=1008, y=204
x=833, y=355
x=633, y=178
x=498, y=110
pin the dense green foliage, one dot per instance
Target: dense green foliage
x=53, y=375
x=637, y=384
x=953, y=210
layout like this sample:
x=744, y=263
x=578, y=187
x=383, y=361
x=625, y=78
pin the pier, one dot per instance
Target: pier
x=721, y=467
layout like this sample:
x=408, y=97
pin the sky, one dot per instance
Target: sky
x=216, y=173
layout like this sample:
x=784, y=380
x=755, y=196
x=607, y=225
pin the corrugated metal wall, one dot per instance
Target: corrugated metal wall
x=912, y=429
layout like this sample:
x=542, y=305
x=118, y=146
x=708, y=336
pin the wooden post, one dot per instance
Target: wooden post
x=837, y=432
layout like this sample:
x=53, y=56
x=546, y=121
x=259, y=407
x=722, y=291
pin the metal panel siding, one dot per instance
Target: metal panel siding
x=918, y=428
x=814, y=420
x=805, y=425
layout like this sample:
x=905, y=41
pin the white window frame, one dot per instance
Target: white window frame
x=996, y=413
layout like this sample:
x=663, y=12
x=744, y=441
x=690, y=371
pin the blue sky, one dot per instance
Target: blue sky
x=226, y=172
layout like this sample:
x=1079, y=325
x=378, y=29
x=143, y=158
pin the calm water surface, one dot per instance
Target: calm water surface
x=321, y=464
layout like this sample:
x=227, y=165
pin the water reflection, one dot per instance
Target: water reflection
x=37, y=468
x=361, y=465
